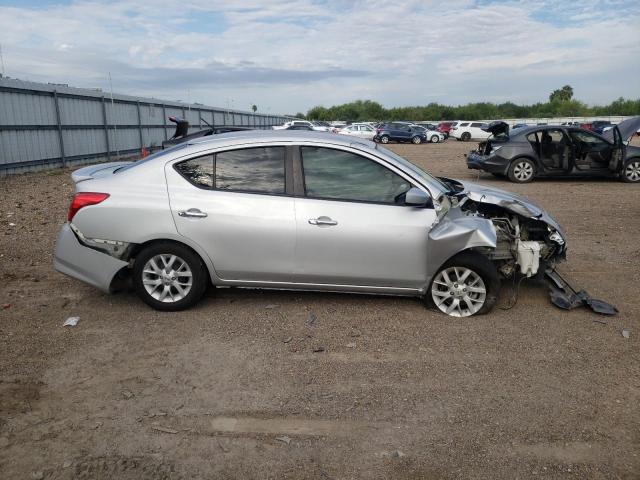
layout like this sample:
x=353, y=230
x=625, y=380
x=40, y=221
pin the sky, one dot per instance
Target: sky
x=289, y=56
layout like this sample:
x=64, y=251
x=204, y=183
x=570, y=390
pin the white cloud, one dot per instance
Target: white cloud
x=291, y=55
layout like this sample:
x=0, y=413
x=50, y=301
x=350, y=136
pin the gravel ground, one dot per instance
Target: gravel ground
x=235, y=389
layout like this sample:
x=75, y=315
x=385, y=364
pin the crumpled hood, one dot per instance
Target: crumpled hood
x=509, y=201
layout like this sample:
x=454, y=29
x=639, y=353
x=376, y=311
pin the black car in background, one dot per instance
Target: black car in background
x=182, y=134
x=399, y=132
x=562, y=150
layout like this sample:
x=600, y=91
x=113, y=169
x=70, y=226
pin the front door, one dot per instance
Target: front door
x=352, y=225
x=235, y=205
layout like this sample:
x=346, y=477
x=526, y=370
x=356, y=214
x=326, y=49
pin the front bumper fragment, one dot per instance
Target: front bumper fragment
x=565, y=296
x=84, y=263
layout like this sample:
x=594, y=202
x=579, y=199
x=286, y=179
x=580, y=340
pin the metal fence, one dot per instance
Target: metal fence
x=46, y=126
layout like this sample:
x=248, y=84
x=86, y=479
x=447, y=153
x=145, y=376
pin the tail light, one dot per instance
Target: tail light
x=84, y=199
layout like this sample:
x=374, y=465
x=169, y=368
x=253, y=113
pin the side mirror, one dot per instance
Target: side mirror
x=416, y=198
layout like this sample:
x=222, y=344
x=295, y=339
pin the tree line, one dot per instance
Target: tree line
x=560, y=104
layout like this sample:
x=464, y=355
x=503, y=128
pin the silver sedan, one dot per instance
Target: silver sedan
x=297, y=210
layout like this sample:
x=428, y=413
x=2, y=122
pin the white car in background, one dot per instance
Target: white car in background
x=466, y=131
x=433, y=136
x=305, y=123
x=360, y=130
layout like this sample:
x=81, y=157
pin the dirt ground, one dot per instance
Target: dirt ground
x=235, y=388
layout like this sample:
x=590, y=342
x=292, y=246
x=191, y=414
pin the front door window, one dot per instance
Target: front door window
x=337, y=175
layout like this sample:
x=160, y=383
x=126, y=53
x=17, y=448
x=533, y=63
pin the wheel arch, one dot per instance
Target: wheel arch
x=194, y=247
x=452, y=237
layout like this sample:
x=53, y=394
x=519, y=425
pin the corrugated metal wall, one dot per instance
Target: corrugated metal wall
x=46, y=126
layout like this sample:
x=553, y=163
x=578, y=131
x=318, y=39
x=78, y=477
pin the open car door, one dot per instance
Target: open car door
x=618, y=151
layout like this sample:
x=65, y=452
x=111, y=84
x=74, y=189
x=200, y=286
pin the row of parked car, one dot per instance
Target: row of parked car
x=383, y=132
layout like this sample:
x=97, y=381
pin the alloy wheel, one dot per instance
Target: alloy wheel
x=523, y=171
x=435, y=139
x=167, y=278
x=632, y=171
x=384, y=139
x=458, y=291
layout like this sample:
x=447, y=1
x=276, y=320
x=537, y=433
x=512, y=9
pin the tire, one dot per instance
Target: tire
x=522, y=170
x=384, y=139
x=465, y=137
x=631, y=171
x=173, y=290
x=416, y=140
x=435, y=139
x=453, y=298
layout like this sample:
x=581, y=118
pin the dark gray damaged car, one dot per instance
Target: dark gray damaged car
x=558, y=151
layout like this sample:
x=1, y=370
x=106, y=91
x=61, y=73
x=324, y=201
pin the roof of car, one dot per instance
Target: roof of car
x=255, y=136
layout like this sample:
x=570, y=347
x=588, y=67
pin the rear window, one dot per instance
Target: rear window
x=158, y=154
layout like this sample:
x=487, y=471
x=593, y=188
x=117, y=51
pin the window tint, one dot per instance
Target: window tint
x=334, y=174
x=258, y=170
x=477, y=125
x=198, y=171
x=466, y=124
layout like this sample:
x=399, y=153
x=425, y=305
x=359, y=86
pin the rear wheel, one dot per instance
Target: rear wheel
x=521, y=170
x=169, y=276
x=384, y=138
x=466, y=285
x=416, y=140
x=435, y=139
x=631, y=171
x=465, y=137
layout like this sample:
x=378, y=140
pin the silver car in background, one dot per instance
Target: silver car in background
x=298, y=210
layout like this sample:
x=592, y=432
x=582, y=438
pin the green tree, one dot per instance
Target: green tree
x=563, y=94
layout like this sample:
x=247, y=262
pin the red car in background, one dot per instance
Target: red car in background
x=445, y=127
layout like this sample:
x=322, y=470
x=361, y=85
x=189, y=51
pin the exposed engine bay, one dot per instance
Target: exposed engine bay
x=528, y=242
x=522, y=244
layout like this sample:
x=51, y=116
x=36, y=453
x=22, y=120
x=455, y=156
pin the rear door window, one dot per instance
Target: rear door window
x=259, y=170
x=251, y=170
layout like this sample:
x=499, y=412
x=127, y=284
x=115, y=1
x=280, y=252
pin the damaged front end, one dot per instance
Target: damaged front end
x=528, y=241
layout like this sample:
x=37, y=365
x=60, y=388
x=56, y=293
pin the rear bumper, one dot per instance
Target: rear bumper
x=488, y=163
x=84, y=263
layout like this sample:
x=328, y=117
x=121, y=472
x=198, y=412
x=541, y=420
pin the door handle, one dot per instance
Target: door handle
x=322, y=221
x=192, y=212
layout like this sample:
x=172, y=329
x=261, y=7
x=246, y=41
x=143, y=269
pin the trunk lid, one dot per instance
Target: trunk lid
x=497, y=127
x=96, y=171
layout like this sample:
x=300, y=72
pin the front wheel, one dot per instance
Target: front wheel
x=416, y=140
x=384, y=139
x=521, y=170
x=465, y=285
x=631, y=171
x=435, y=139
x=168, y=276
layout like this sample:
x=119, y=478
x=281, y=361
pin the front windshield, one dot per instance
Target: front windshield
x=417, y=171
x=151, y=157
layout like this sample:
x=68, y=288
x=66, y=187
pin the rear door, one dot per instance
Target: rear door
x=353, y=227
x=236, y=205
